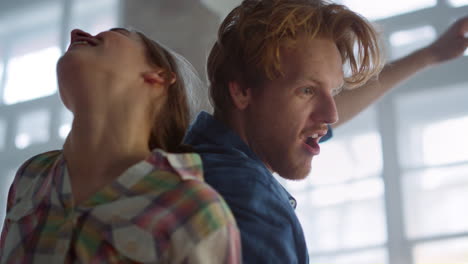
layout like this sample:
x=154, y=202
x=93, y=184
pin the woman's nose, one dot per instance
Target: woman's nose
x=76, y=33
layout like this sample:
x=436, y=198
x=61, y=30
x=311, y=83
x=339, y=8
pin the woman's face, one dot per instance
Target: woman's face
x=116, y=56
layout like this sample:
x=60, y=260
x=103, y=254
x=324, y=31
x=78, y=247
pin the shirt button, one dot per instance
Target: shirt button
x=293, y=203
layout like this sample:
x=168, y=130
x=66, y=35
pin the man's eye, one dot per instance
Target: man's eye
x=308, y=90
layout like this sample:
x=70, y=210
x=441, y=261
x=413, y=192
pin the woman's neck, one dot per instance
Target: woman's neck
x=102, y=146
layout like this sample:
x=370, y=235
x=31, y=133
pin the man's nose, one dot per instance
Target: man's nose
x=326, y=110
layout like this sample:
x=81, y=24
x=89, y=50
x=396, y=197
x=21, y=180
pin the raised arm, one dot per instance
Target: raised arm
x=448, y=46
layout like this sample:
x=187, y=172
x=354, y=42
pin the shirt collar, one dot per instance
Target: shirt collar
x=188, y=165
x=208, y=130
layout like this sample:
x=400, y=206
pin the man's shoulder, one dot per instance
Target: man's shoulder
x=237, y=176
x=228, y=162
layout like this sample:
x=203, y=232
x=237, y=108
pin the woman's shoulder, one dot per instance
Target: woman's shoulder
x=33, y=171
x=189, y=194
x=41, y=160
x=190, y=210
x=39, y=164
x=170, y=207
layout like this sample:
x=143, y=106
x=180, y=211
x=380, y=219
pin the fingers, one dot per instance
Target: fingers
x=463, y=25
x=464, y=29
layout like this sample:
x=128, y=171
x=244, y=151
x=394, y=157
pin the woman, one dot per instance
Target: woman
x=106, y=197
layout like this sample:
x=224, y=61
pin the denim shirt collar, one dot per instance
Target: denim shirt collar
x=208, y=130
x=216, y=132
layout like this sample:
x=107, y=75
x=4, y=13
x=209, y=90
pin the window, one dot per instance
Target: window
x=6, y=178
x=93, y=16
x=66, y=119
x=434, y=156
x=406, y=41
x=341, y=207
x=3, y=128
x=33, y=128
x=31, y=40
x=39, y=67
x=434, y=198
x=376, y=256
x=458, y=3
x=451, y=251
x=445, y=142
x=33, y=53
x=2, y=70
x=433, y=135
x=374, y=10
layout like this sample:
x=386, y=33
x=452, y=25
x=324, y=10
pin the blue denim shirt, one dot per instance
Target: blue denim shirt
x=264, y=210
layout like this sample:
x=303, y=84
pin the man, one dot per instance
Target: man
x=275, y=72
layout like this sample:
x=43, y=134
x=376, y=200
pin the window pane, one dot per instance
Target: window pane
x=433, y=126
x=378, y=256
x=32, y=128
x=6, y=178
x=453, y=147
x=324, y=170
x=31, y=69
x=360, y=190
x=452, y=251
x=434, y=199
x=94, y=16
x=457, y=3
x=29, y=15
x=364, y=224
x=66, y=118
x=3, y=127
x=358, y=156
x=340, y=204
x=349, y=225
x=381, y=9
x=406, y=41
x=33, y=36
x=2, y=69
x=355, y=147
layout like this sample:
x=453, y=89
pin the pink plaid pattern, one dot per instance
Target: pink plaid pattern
x=158, y=211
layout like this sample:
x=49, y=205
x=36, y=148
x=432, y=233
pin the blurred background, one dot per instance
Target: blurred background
x=391, y=187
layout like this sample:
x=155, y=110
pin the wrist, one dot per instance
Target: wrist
x=428, y=57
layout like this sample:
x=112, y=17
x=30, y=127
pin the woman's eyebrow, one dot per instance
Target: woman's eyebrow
x=122, y=30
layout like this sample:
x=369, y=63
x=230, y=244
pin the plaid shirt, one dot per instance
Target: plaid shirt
x=158, y=211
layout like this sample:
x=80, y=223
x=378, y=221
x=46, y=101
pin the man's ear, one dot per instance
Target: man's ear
x=240, y=96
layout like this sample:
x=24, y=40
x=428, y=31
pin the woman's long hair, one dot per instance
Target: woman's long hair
x=174, y=116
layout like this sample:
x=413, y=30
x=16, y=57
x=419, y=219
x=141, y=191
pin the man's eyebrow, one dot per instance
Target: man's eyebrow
x=308, y=80
x=338, y=89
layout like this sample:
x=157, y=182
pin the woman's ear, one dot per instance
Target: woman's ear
x=154, y=77
x=159, y=76
x=172, y=79
x=240, y=96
